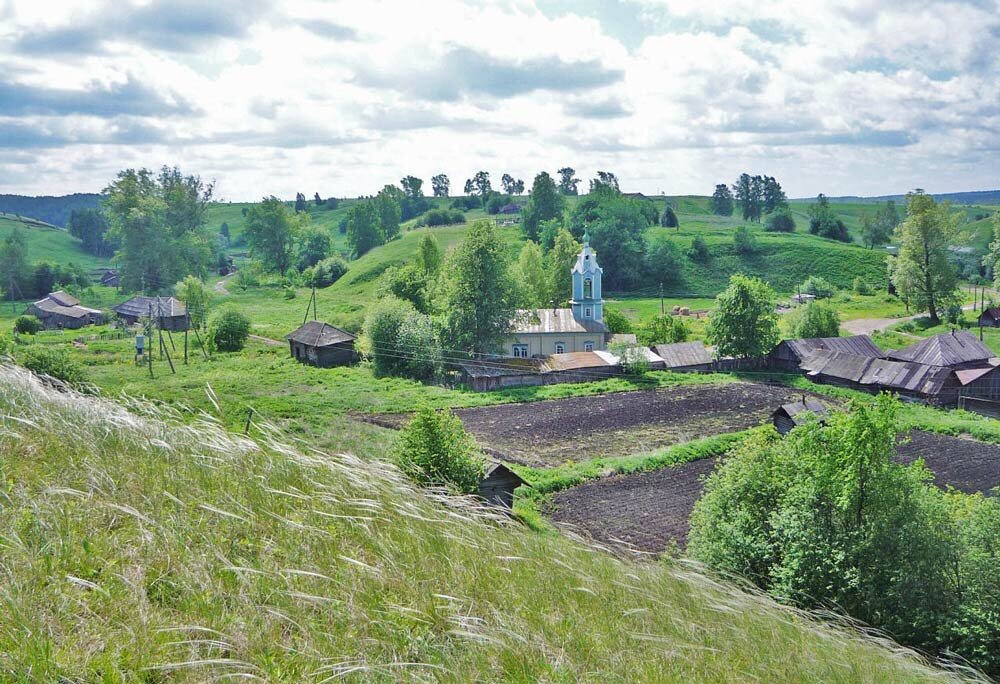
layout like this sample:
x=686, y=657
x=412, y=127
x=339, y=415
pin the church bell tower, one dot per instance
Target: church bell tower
x=587, y=302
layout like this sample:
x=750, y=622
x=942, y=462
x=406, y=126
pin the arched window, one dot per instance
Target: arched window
x=588, y=288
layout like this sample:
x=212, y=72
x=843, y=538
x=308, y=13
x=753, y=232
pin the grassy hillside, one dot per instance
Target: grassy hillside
x=146, y=551
x=49, y=243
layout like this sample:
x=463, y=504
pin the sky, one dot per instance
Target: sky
x=340, y=98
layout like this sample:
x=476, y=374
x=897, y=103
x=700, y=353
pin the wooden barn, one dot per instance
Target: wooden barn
x=790, y=354
x=789, y=416
x=321, y=344
x=685, y=356
x=169, y=313
x=110, y=278
x=990, y=318
x=957, y=349
x=60, y=311
x=498, y=485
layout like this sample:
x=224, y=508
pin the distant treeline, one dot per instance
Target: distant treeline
x=973, y=197
x=54, y=210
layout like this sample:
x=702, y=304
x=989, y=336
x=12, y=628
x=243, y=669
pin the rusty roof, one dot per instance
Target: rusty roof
x=683, y=354
x=533, y=321
x=319, y=334
x=946, y=349
x=861, y=345
x=579, y=361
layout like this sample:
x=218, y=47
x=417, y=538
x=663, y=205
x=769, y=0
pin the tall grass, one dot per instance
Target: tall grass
x=138, y=548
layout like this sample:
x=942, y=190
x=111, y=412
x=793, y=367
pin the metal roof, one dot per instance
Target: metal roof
x=579, y=361
x=63, y=299
x=140, y=306
x=861, y=345
x=533, y=321
x=53, y=305
x=946, y=349
x=683, y=354
x=498, y=470
x=862, y=370
x=797, y=409
x=319, y=334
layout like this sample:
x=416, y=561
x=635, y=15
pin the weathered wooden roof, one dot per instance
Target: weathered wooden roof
x=992, y=312
x=158, y=307
x=579, y=361
x=947, y=349
x=498, y=471
x=63, y=299
x=533, y=321
x=319, y=334
x=56, y=303
x=683, y=354
x=860, y=345
x=798, y=410
x=894, y=375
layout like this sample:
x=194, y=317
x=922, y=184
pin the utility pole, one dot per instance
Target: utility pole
x=662, y=307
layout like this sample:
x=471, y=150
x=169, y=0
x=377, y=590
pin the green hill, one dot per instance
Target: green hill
x=146, y=551
x=49, y=243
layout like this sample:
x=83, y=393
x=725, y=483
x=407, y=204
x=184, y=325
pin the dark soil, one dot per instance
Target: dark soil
x=650, y=511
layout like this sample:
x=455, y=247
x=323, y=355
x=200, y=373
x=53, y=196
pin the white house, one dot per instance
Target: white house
x=541, y=332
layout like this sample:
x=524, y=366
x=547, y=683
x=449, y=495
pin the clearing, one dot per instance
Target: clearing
x=649, y=511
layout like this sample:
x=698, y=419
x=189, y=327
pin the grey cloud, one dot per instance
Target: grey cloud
x=290, y=137
x=329, y=29
x=35, y=134
x=860, y=138
x=130, y=98
x=463, y=71
x=600, y=109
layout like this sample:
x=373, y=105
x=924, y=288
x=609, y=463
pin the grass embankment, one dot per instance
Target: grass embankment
x=136, y=550
x=49, y=243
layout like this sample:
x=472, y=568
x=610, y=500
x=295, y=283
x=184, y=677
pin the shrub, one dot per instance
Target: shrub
x=6, y=345
x=229, y=330
x=52, y=361
x=402, y=340
x=632, y=357
x=466, y=202
x=616, y=322
x=781, y=221
x=818, y=287
x=699, y=250
x=27, y=325
x=663, y=262
x=435, y=449
x=861, y=287
x=248, y=276
x=327, y=272
x=815, y=319
x=332, y=202
x=442, y=217
x=665, y=329
x=669, y=219
x=744, y=241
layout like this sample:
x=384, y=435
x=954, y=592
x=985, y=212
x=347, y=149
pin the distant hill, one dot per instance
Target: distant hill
x=988, y=197
x=54, y=210
x=50, y=243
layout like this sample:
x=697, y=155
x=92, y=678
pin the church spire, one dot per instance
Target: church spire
x=587, y=302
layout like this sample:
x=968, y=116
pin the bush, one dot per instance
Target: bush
x=744, y=241
x=434, y=449
x=616, y=322
x=466, y=202
x=402, y=340
x=332, y=202
x=327, y=272
x=818, y=287
x=229, y=331
x=664, y=329
x=632, y=357
x=861, y=287
x=781, y=221
x=699, y=250
x=52, y=361
x=669, y=219
x=815, y=319
x=663, y=262
x=442, y=217
x=27, y=325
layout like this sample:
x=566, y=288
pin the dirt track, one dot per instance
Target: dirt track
x=650, y=510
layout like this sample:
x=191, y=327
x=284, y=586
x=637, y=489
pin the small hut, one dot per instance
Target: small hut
x=792, y=415
x=321, y=344
x=170, y=314
x=60, y=311
x=685, y=356
x=990, y=318
x=110, y=278
x=498, y=485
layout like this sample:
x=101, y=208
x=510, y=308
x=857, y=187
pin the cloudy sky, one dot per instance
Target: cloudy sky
x=855, y=97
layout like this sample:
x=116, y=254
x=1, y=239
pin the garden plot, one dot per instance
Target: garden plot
x=650, y=511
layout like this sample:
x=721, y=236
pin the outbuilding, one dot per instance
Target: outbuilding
x=789, y=416
x=790, y=354
x=59, y=311
x=321, y=344
x=170, y=314
x=685, y=356
x=990, y=318
x=958, y=349
x=498, y=485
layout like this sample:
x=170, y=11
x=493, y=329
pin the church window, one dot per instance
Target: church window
x=588, y=289
x=560, y=347
x=520, y=351
x=588, y=312
x=588, y=346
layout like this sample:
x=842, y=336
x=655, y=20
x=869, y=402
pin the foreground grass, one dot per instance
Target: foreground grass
x=146, y=550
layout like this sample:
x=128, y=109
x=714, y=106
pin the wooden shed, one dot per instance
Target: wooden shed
x=321, y=344
x=958, y=349
x=790, y=354
x=990, y=318
x=170, y=314
x=685, y=356
x=792, y=415
x=498, y=485
x=59, y=311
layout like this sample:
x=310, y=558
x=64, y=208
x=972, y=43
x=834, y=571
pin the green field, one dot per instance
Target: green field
x=49, y=243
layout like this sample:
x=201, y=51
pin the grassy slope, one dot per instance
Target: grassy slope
x=49, y=243
x=141, y=551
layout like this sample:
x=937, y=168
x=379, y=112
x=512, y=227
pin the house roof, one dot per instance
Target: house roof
x=683, y=354
x=947, y=349
x=797, y=410
x=860, y=345
x=579, y=361
x=63, y=299
x=863, y=370
x=496, y=470
x=140, y=306
x=972, y=374
x=502, y=367
x=992, y=312
x=532, y=321
x=56, y=303
x=319, y=334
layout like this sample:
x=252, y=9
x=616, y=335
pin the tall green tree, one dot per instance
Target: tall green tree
x=877, y=230
x=90, y=226
x=364, y=228
x=530, y=276
x=440, y=184
x=429, y=254
x=196, y=297
x=480, y=297
x=722, y=200
x=481, y=182
x=617, y=235
x=772, y=196
x=922, y=272
x=824, y=222
x=313, y=246
x=15, y=271
x=159, y=219
x=388, y=203
x=567, y=181
x=544, y=204
x=744, y=324
x=815, y=319
x=271, y=231
x=749, y=192
x=560, y=260
x=605, y=179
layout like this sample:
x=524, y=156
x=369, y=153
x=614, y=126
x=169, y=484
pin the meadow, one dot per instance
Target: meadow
x=49, y=243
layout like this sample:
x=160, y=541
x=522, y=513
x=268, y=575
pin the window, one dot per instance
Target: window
x=588, y=312
x=588, y=288
x=588, y=346
x=560, y=347
x=520, y=351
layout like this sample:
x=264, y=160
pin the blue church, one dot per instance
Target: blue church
x=540, y=332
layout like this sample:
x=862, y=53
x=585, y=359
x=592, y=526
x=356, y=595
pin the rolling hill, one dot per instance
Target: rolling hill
x=49, y=243
x=54, y=210
x=145, y=550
